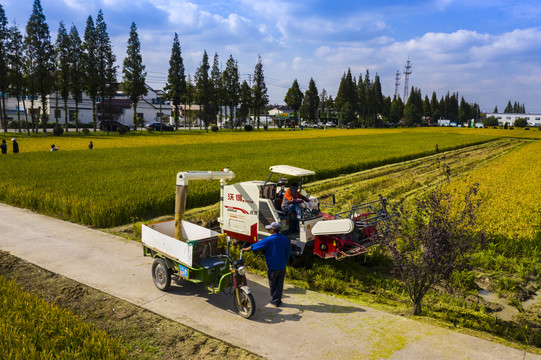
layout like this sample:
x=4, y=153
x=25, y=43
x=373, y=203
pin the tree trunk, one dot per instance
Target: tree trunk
x=2, y=114
x=19, y=113
x=416, y=307
x=26, y=114
x=94, y=114
x=66, y=113
x=134, y=117
x=56, y=108
x=32, y=115
x=44, y=112
x=76, y=115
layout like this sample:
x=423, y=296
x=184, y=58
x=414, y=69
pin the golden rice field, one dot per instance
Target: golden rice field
x=101, y=140
x=132, y=177
x=32, y=328
x=511, y=190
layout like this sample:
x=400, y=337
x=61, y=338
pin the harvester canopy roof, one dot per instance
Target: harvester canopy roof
x=291, y=170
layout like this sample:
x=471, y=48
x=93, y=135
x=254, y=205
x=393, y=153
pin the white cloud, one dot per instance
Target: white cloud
x=442, y=4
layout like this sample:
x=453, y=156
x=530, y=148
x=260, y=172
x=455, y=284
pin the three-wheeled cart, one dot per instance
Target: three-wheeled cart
x=202, y=256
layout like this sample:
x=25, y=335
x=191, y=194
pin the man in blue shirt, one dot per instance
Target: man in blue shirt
x=277, y=250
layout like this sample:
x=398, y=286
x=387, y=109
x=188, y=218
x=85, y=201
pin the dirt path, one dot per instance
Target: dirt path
x=309, y=325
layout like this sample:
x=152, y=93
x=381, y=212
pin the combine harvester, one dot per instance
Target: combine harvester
x=247, y=207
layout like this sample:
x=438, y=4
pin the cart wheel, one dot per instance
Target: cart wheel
x=246, y=308
x=161, y=274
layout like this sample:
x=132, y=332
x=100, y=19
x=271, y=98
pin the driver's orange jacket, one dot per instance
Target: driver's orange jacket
x=289, y=196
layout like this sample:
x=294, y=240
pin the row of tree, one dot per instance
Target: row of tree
x=516, y=108
x=32, y=67
x=218, y=93
x=361, y=103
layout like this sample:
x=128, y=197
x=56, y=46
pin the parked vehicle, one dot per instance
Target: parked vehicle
x=157, y=126
x=111, y=125
x=330, y=124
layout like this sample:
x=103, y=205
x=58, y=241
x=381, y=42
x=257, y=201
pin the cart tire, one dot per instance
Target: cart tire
x=161, y=274
x=246, y=308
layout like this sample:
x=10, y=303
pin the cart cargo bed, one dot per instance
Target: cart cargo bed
x=198, y=242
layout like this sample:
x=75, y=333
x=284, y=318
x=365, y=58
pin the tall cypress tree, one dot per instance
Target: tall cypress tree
x=203, y=88
x=323, y=97
x=435, y=110
x=189, y=98
x=77, y=70
x=246, y=100
x=397, y=110
x=377, y=100
x=259, y=90
x=41, y=52
x=217, y=89
x=90, y=66
x=175, y=89
x=509, y=108
x=133, y=81
x=62, y=48
x=311, y=99
x=4, y=78
x=231, y=84
x=16, y=68
x=294, y=97
x=106, y=69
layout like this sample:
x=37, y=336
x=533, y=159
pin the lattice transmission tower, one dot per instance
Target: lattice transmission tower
x=407, y=80
x=396, y=83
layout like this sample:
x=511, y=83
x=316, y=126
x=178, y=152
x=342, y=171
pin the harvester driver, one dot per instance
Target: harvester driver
x=292, y=200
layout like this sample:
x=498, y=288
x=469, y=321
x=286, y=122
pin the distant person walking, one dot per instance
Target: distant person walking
x=91, y=146
x=15, y=146
x=4, y=147
x=54, y=148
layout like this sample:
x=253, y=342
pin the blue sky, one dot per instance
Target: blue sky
x=489, y=51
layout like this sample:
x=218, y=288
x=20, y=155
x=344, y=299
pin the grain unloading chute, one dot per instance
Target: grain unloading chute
x=183, y=179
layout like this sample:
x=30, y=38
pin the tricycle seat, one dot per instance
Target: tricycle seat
x=211, y=262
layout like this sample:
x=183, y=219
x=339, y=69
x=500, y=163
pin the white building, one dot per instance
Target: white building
x=509, y=118
x=150, y=107
x=280, y=110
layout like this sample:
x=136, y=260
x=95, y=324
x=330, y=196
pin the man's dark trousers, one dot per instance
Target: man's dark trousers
x=276, y=284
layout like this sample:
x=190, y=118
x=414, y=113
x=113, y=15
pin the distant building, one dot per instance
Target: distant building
x=509, y=118
x=151, y=107
x=280, y=110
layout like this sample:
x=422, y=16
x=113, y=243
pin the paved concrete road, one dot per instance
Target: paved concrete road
x=308, y=326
